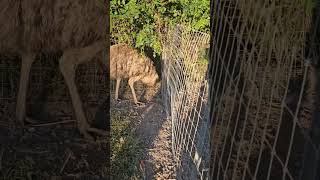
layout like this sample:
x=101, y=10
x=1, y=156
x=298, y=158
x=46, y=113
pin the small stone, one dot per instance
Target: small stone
x=32, y=129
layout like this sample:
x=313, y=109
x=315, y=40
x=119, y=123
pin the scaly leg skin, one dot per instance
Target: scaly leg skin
x=117, y=89
x=131, y=84
x=27, y=60
x=68, y=62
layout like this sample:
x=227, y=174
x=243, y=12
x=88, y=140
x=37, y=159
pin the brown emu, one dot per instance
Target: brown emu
x=128, y=63
x=78, y=28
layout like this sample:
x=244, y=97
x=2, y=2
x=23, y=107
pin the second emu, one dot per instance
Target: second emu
x=127, y=63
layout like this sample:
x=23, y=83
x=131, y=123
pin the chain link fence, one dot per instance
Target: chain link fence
x=185, y=95
x=262, y=89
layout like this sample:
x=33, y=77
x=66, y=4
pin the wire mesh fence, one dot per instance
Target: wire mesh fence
x=262, y=90
x=47, y=87
x=185, y=95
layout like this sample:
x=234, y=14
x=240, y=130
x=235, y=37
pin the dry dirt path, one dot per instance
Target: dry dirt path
x=154, y=131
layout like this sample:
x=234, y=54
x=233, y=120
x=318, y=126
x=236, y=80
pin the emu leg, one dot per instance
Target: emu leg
x=27, y=60
x=68, y=63
x=117, y=88
x=131, y=84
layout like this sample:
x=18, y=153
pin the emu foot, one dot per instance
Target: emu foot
x=118, y=100
x=85, y=132
x=139, y=104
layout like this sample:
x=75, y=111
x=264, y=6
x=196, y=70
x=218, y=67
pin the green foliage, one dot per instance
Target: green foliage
x=204, y=57
x=137, y=22
x=308, y=4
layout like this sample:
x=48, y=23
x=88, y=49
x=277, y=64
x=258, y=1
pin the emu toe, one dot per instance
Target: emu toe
x=87, y=135
x=140, y=104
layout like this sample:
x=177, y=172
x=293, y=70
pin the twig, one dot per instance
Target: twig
x=86, y=141
x=53, y=123
x=142, y=168
x=30, y=151
x=98, y=131
x=147, y=110
x=77, y=175
x=83, y=146
x=6, y=124
x=1, y=154
x=30, y=120
x=66, y=161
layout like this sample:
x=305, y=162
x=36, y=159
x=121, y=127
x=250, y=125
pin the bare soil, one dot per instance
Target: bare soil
x=55, y=151
x=51, y=148
x=153, y=129
x=51, y=152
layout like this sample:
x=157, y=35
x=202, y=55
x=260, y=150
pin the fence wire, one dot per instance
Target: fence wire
x=262, y=89
x=185, y=94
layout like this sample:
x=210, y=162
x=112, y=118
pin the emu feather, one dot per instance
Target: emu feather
x=128, y=63
x=78, y=28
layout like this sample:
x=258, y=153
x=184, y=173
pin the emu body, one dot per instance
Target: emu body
x=78, y=28
x=128, y=63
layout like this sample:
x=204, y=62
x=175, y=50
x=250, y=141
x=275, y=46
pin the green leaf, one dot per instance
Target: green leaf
x=134, y=21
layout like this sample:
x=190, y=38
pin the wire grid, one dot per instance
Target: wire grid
x=45, y=76
x=261, y=90
x=185, y=94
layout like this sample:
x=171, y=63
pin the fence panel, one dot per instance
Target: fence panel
x=262, y=89
x=185, y=94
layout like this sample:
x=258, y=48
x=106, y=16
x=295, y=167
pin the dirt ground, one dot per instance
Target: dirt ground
x=51, y=148
x=53, y=152
x=153, y=129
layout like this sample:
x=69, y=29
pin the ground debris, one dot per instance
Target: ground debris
x=50, y=153
x=149, y=125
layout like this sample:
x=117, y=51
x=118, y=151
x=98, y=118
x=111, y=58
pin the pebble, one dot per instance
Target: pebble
x=32, y=129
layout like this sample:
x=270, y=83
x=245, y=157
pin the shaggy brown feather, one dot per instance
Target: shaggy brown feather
x=78, y=28
x=128, y=63
x=39, y=25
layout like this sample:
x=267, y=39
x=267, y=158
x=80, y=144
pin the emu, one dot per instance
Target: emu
x=128, y=63
x=78, y=28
